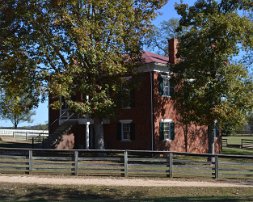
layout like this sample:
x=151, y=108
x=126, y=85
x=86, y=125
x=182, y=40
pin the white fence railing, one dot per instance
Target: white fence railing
x=23, y=132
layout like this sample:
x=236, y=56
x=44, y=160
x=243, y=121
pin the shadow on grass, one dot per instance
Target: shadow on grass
x=42, y=194
x=46, y=193
x=236, y=151
x=15, y=145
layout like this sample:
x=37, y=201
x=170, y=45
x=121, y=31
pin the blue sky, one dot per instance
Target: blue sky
x=41, y=116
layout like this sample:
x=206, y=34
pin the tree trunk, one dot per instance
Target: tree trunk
x=15, y=125
x=210, y=143
x=210, y=138
x=186, y=137
x=99, y=134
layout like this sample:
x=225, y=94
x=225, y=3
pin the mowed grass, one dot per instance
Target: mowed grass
x=236, y=151
x=236, y=140
x=25, y=192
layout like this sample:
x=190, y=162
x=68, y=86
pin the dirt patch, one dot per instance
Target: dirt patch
x=7, y=139
x=133, y=182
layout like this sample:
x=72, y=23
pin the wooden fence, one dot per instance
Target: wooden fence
x=224, y=142
x=22, y=132
x=29, y=136
x=127, y=163
x=246, y=144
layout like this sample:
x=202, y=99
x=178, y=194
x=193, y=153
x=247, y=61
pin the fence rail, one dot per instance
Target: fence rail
x=21, y=131
x=224, y=142
x=245, y=143
x=21, y=134
x=128, y=163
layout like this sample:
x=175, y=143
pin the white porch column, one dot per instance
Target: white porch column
x=87, y=136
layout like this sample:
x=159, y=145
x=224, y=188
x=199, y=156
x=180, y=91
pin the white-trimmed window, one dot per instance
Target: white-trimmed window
x=126, y=130
x=166, y=87
x=167, y=129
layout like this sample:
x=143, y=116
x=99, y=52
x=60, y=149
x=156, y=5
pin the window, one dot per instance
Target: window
x=125, y=97
x=126, y=130
x=127, y=94
x=167, y=129
x=166, y=87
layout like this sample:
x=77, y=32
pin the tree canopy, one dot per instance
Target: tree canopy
x=157, y=40
x=81, y=46
x=214, y=86
x=74, y=47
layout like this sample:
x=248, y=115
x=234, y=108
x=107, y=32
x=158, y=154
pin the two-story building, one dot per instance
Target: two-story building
x=147, y=120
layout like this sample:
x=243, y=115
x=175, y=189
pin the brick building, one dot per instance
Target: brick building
x=147, y=121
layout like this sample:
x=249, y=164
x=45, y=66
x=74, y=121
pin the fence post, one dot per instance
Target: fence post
x=216, y=167
x=171, y=164
x=43, y=139
x=32, y=142
x=125, y=163
x=30, y=161
x=76, y=162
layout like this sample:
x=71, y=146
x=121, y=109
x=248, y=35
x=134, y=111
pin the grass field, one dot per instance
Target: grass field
x=44, y=193
x=23, y=192
x=236, y=151
x=236, y=140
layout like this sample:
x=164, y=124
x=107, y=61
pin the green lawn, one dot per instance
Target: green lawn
x=236, y=140
x=23, y=192
x=236, y=151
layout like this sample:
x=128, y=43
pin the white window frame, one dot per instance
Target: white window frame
x=166, y=88
x=122, y=123
x=167, y=121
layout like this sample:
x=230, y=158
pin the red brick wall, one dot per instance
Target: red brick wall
x=140, y=114
x=163, y=107
x=196, y=139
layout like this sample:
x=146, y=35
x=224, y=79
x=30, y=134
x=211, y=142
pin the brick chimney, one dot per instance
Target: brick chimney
x=173, y=44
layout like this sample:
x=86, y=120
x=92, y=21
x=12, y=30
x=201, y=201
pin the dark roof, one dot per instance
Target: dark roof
x=149, y=57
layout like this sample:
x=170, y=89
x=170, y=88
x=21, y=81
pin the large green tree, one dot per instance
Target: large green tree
x=20, y=83
x=84, y=47
x=214, y=87
x=16, y=109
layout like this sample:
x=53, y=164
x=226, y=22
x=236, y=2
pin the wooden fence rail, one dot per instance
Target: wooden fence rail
x=245, y=143
x=21, y=132
x=24, y=135
x=128, y=163
x=224, y=142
